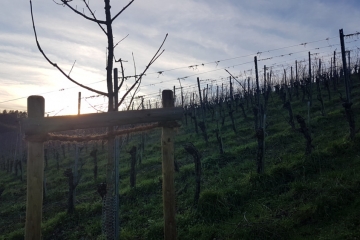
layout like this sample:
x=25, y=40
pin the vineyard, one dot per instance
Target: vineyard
x=274, y=157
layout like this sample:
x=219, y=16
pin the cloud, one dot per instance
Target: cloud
x=199, y=32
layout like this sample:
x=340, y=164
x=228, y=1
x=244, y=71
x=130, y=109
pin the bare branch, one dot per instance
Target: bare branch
x=134, y=62
x=120, y=40
x=132, y=97
x=156, y=56
x=58, y=3
x=97, y=110
x=72, y=68
x=123, y=75
x=122, y=10
x=65, y=2
x=93, y=14
x=115, y=47
x=54, y=64
x=236, y=79
x=137, y=89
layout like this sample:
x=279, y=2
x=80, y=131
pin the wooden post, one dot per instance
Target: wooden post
x=310, y=81
x=116, y=89
x=334, y=61
x=116, y=157
x=257, y=82
x=296, y=71
x=207, y=92
x=35, y=174
x=231, y=90
x=167, y=143
x=349, y=71
x=264, y=78
x=174, y=94
x=204, y=96
x=222, y=91
x=117, y=201
x=79, y=103
x=198, y=82
x=75, y=173
x=331, y=68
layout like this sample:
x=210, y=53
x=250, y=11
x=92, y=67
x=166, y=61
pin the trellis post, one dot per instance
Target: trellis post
x=35, y=173
x=167, y=144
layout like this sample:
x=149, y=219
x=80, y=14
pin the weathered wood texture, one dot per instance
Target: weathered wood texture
x=35, y=174
x=167, y=143
x=36, y=124
x=62, y=123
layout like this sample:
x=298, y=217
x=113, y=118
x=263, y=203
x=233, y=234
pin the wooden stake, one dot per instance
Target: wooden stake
x=75, y=174
x=167, y=143
x=264, y=78
x=79, y=103
x=35, y=174
x=207, y=92
x=296, y=71
x=198, y=82
x=257, y=82
x=116, y=89
x=348, y=103
x=310, y=81
x=231, y=90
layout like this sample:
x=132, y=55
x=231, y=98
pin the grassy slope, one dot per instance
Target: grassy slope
x=298, y=197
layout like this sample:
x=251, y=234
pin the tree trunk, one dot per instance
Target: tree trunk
x=306, y=132
x=191, y=149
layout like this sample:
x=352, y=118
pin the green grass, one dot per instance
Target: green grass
x=298, y=196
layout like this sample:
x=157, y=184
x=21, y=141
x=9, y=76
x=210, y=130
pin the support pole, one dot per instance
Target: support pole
x=167, y=144
x=310, y=80
x=79, y=103
x=35, y=174
x=257, y=82
x=291, y=78
x=231, y=90
x=207, y=92
x=116, y=158
x=348, y=98
x=264, y=78
x=75, y=174
x=349, y=70
x=198, y=82
x=116, y=89
x=174, y=93
x=296, y=71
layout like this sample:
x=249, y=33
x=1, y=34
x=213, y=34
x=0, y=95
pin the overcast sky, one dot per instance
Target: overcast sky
x=201, y=33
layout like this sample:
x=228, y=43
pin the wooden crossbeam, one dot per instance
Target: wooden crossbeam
x=94, y=120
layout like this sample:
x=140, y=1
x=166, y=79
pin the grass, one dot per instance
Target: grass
x=298, y=196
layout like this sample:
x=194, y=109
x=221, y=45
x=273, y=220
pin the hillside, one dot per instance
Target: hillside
x=315, y=196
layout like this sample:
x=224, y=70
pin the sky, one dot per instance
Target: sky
x=204, y=38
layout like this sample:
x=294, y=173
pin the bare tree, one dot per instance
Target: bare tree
x=112, y=83
x=106, y=27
